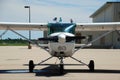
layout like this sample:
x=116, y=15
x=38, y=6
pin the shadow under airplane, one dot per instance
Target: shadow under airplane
x=54, y=71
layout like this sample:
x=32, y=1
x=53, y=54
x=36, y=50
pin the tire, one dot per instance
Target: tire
x=31, y=66
x=61, y=69
x=91, y=65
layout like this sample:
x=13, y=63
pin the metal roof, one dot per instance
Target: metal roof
x=105, y=6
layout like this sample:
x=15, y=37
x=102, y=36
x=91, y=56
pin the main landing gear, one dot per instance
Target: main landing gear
x=91, y=64
x=61, y=65
x=31, y=66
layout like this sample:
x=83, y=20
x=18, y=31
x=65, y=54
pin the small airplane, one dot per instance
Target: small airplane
x=61, y=39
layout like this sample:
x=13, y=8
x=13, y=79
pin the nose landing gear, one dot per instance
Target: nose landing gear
x=61, y=66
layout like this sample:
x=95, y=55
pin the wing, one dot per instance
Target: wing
x=107, y=27
x=98, y=26
x=23, y=26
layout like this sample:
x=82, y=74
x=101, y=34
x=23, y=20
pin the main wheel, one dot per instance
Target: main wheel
x=61, y=68
x=31, y=66
x=91, y=65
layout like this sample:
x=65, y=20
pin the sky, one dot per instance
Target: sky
x=45, y=10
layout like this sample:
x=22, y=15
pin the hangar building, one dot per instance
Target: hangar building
x=109, y=12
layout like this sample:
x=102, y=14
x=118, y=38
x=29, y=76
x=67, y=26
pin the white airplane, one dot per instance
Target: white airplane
x=61, y=38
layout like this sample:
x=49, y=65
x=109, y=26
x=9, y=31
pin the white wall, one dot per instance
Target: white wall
x=110, y=14
x=105, y=15
x=111, y=40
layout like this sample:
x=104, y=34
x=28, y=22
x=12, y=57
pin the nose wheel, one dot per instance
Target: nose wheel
x=61, y=66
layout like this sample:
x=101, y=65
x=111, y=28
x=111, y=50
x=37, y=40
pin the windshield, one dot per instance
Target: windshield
x=61, y=27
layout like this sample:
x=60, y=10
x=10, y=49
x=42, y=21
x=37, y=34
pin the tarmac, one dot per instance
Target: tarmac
x=13, y=58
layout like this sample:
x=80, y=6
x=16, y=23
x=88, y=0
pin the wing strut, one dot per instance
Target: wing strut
x=4, y=33
x=106, y=33
x=117, y=32
x=22, y=36
x=33, y=42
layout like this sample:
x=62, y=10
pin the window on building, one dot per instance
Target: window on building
x=118, y=39
x=90, y=37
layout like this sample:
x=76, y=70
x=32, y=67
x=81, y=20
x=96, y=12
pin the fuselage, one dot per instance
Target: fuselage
x=61, y=46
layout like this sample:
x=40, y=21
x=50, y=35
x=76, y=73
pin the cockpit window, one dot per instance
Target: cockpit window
x=61, y=27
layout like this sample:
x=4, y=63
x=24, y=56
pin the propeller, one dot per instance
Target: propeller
x=55, y=38
x=68, y=38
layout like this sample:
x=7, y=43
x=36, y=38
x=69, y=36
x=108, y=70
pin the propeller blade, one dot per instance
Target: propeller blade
x=48, y=39
x=70, y=38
